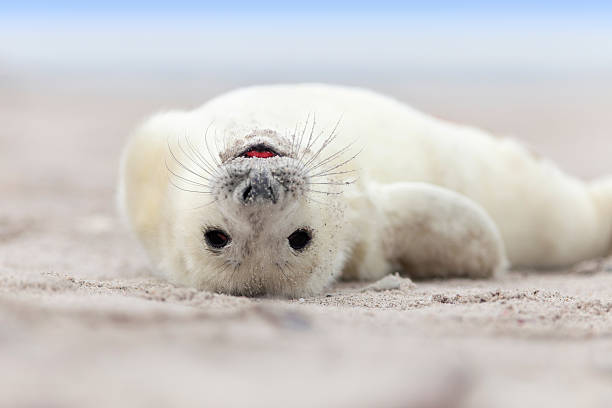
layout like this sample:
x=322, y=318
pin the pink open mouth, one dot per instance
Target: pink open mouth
x=260, y=152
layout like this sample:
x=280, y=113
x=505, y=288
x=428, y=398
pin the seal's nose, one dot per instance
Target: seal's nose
x=261, y=187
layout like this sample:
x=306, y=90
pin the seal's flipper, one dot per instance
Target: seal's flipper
x=432, y=232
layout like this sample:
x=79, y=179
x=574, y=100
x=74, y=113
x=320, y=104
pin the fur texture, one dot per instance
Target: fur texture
x=428, y=197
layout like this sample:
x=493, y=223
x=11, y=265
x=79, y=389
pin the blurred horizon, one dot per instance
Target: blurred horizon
x=317, y=41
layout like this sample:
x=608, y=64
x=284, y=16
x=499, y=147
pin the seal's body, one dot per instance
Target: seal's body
x=261, y=190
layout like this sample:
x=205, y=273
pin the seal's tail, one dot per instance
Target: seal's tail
x=601, y=191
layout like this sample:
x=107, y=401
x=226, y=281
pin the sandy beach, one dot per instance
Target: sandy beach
x=82, y=322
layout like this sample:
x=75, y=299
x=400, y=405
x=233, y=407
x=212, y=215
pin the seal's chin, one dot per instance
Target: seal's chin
x=259, y=151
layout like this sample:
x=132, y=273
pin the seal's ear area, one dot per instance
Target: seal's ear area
x=432, y=232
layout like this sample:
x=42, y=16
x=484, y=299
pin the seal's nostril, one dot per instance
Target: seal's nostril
x=260, y=189
x=246, y=193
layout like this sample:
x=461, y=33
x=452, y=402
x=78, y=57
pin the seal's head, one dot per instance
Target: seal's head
x=273, y=219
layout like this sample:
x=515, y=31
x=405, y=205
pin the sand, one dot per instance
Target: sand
x=82, y=323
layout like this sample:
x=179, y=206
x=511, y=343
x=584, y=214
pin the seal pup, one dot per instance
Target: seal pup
x=280, y=190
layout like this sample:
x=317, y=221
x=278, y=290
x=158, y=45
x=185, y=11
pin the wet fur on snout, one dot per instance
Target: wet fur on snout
x=283, y=175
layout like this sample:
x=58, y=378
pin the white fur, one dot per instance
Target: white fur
x=544, y=217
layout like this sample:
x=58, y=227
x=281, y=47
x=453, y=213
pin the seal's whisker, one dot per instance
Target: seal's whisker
x=193, y=184
x=323, y=192
x=216, y=163
x=217, y=157
x=334, y=173
x=332, y=136
x=297, y=140
x=313, y=143
x=308, y=143
x=312, y=128
x=338, y=165
x=220, y=164
x=203, y=205
x=292, y=151
x=308, y=147
x=332, y=183
x=197, y=183
x=299, y=147
x=223, y=140
x=190, y=157
x=189, y=191
x=182, y=165
x=212, y=169
x=294, y=137
x=332, y=157
x=212, y=156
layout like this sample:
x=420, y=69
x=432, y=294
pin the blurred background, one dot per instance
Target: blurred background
x=75, y=77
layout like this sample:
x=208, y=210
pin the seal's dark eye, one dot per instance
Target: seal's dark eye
x=216, y=238
x=299, y=239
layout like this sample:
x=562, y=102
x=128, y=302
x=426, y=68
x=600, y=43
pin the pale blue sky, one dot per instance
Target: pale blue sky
x=311, y=7
x=382, y=37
